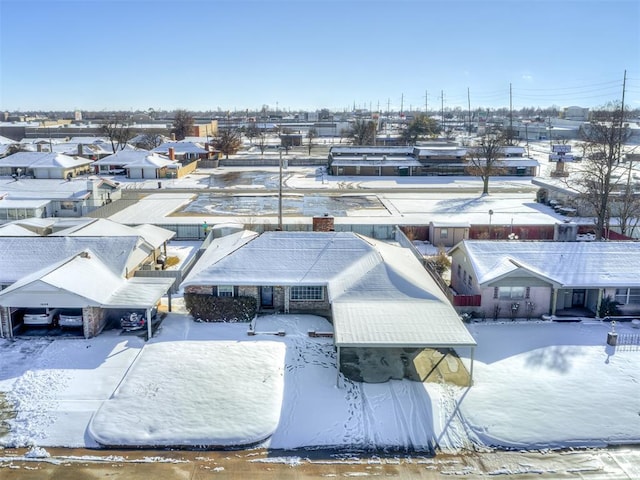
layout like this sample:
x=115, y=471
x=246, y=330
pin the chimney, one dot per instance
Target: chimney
x=172, y=153
x=79, y=149
x=39, y=147
x=323, y=224
x=173, y=137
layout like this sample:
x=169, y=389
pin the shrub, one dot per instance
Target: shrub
x=207, y=308
x=608, y=307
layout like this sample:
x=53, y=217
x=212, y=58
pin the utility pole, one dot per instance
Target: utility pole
x=442, y=110
x=401, y=104
x=469, y=108
x=621, y=126
x=426, y=105
x=510, y=116
x=280, y=195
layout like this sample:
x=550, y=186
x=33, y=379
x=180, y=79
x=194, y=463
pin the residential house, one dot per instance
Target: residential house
x=30, y=198
x=92, y=265
x=529, y=279
x=137, y=164
x=377, y=296
x=43, y=165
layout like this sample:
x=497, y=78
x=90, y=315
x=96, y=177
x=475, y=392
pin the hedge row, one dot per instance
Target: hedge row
x=207, y=308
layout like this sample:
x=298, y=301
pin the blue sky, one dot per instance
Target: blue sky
x=308, y=54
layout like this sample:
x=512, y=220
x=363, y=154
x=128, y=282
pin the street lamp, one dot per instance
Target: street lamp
x=490, y=215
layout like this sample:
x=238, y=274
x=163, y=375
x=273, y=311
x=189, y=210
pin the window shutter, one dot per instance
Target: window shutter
x=235, y=291
x=214, y=291
x=495, y=292
x=527, y=293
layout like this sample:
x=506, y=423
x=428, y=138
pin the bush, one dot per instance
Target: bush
x=207, y=308
x=608, y=307
x=441, y=262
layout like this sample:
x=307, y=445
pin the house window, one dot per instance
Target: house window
x=626, y=296
x=306, y=293
x=511, y=293
x=444, y=233
x=225, y=290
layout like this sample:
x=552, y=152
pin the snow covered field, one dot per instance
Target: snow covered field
x=536, y=385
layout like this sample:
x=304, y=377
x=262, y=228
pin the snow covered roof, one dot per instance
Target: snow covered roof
x=380, y=294
x=568, y=264
x=21, y=256
x=377, y=161
x=37, y=160
x=15, y=230
x=441, y=151
x=49, y=189
x=370, y=150
x=84, y=280
x=139, y=291
x=180, y=148
x=124, y=157
x=8, y=202
x=101, y=227
x=83, y=276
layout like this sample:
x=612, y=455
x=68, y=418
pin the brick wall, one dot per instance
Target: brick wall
x=94, y=321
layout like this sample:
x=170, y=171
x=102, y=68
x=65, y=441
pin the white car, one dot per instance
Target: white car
x=70, y=317
x=40, y=316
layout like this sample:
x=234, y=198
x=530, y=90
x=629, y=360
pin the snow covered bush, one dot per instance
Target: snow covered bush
x=208, y=308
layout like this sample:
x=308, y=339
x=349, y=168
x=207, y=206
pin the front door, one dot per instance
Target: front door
x=266, y=297
x=577, y=300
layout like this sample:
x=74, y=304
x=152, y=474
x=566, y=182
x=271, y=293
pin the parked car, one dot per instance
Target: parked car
x=70, y=317
x=136, y=320
x=40, y=316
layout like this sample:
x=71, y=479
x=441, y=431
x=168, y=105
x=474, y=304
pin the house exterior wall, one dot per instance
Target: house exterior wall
x=538, y=303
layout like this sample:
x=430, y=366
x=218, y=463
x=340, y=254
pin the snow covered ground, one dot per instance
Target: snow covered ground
x=536, y=385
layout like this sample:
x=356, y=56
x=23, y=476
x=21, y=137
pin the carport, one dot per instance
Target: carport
x=82, y=281
x=407, y=324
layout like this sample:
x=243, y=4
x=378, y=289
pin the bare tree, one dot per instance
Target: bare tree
x=597, y=180
x=311, y=134
x=252, y=131
x=484, y=160
x=628, y=205
x=362, y=132
x=262, y=141
x=228, y=142
x=149, y=141
x=118, y=132
x=182, y=124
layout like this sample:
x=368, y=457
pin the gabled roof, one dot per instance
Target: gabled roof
x=21, y=256
x=568, y=264
x=133, y=158
x=84, y=274
x=101, y=227
x=84, y=280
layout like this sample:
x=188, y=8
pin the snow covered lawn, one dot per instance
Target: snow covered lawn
x=199, y=390
x=553, y=385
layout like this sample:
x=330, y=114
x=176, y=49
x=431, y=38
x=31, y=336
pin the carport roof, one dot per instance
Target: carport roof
x=391, y=324
x=140, y=292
